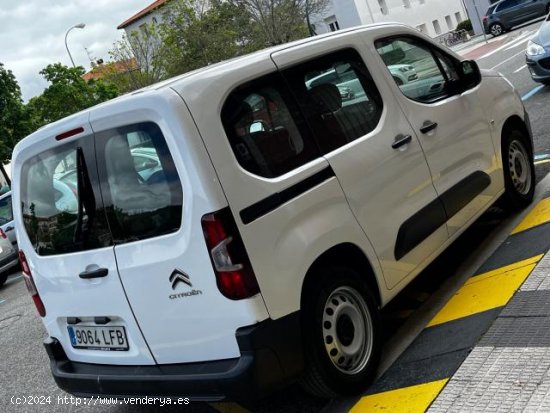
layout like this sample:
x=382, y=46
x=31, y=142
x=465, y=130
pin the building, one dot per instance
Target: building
x=152, y=14
x=433, y=17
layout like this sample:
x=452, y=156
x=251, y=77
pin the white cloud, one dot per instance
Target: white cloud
x=33, y=34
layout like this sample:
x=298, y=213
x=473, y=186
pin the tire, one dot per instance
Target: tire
x=398, y=81
x=341, y=325
x=519, y=170
x=3, y=278
x=496, y=29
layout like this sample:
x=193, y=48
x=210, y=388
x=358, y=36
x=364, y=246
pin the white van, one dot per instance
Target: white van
x=275, y=218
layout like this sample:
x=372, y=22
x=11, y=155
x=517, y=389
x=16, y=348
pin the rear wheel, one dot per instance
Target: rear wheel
x=496, y=29
x=519, y=170
x=341, y=334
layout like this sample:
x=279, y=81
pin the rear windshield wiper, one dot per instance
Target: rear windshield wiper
x=86, y=199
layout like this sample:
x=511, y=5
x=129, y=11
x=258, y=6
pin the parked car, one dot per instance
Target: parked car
x=6, y=218
x=538, y=54
x=506, y=14
x=260, y=255
x=8, y=257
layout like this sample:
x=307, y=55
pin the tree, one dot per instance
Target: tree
x=281, y=21
x=137, y=60
x=68, y=93
x=197, y=33
x=14, y=120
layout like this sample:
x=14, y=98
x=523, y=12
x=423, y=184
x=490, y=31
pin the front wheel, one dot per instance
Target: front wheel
x=3, y=278
x=341, y=334
x=497, y=29
x=519, y=169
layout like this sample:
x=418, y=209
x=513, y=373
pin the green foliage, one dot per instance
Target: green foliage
x=68, y=93
x=464, y=25
x=14, y=118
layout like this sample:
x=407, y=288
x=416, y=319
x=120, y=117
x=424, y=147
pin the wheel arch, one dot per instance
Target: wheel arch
x=349, y=255
x=515, y=122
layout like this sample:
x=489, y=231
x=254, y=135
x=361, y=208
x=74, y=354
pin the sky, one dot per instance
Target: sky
x=32, y=34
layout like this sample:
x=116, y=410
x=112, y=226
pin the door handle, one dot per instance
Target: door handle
x=98, y=273
x=428, y=126
x=401, y=140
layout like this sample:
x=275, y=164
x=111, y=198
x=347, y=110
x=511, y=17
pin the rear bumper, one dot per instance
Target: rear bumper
x=271, y=358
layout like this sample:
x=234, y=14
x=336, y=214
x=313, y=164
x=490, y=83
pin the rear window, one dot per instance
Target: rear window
x=62, y=213
x=491, y=9
x=140, y=185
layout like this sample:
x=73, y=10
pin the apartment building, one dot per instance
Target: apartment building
x=433, y=17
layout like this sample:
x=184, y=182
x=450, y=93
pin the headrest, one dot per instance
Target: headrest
x=327, y=97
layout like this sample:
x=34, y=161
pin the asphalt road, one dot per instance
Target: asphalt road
x=24, y=366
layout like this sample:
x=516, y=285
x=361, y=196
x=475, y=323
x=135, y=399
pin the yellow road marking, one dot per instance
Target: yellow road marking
x=540, y=214
x=541, y=162
x=411, y=399
x=228, y=407
x=486, y=291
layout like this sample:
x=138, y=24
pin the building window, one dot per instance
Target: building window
x=383, y=6
x=449, y=22
x=437, y=27
x=407, y=4
x=458, y=17
x=334, y=26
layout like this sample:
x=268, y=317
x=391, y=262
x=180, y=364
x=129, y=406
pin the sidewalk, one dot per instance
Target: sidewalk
x=509, y=368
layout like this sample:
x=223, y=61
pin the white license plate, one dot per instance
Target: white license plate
x=98, y=338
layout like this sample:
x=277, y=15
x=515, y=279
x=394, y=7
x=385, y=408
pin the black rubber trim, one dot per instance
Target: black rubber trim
x=271, y=358
x=419, y=227
x=424, y=222
x=464, y=192
x=272, y=202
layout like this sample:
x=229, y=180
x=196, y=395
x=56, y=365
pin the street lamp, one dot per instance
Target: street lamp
x=76, y=26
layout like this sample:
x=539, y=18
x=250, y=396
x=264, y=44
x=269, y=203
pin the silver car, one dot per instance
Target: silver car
x=538, y=54
x=6, y=218
x=8, y=257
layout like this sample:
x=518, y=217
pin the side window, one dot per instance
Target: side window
x=6, y=213
x=337, y=96
x=140, y=185
x=507, y=4
x=265, y=129
x=61, y=200
x=420, y=71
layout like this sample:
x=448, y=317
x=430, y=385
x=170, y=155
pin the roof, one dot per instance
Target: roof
x=147, y=10
x=102, y=70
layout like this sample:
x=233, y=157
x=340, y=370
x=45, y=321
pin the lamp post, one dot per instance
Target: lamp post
x=76, y=26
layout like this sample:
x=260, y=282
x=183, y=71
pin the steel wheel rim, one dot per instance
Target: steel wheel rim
x=347, y=330
x=520, y=170
x=496, y=30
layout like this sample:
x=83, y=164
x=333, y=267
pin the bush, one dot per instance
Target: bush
x=464, y=25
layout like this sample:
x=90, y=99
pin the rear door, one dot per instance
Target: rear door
x=70, y=249
x=509, y=13
x=155, y=218
x=375, y=154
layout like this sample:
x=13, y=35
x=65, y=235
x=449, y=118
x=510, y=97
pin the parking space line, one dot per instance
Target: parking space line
x=542, y=161
x=538, y=216
x=507, y=60
x=407, y=399
x=533, y=92
x=1, y=301
x=520, y=69
x=472, y=298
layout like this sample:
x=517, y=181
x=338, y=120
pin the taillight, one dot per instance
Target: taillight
x=234, y=274
x=29, y=282
x=3, y=234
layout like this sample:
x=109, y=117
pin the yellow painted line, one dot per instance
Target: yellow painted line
x=539, y=215
x=541, y=162
x=486, y=291
x=413, y=399
x=223, y=407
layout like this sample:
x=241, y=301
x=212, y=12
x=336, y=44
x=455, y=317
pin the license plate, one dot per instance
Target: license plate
x=98, y=338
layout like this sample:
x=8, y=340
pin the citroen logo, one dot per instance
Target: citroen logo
x=179, y=276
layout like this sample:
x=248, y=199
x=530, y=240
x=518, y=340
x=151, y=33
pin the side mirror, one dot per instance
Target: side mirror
x=469, y=73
